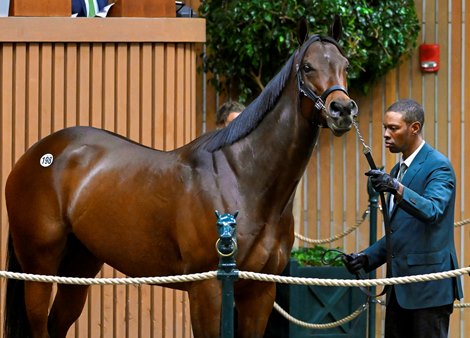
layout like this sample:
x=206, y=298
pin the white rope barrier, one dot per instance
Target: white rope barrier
x=353, y=282
x=337, y=236
x=353, y=228
x=340, y=322
x=462, y=222
x=109, y=281
x=253, y=276
x=263, y=277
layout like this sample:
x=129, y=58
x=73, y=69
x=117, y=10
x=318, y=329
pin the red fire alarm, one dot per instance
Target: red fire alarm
x=429, y=57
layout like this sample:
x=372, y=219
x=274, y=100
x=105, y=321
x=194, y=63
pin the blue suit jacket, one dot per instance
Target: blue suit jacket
x=78, y=6
x=422, y=238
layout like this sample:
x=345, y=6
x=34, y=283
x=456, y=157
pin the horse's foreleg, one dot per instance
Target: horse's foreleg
x=254, y=305
x=205, y=302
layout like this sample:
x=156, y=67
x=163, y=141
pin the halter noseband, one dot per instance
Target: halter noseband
x=319, y=101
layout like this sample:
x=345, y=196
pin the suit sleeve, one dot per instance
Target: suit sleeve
x=427, y=199
x=430, y=205
x=376, y=254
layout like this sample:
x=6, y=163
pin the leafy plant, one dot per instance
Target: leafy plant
x=317, y=256
x=249, y=41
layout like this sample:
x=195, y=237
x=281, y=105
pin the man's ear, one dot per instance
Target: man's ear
x=416, y=127
x=302, y=31
x=336, y=28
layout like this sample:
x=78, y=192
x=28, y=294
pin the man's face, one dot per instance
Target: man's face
x=397, y=134
x=231, y=117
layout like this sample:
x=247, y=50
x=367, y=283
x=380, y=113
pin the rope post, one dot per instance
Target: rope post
x=373, y=206
x=227, y=271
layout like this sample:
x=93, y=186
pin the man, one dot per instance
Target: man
x=227, y=113
x=88, y=7
x=421, y=210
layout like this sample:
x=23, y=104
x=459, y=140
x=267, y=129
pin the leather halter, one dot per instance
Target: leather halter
x=318, y=100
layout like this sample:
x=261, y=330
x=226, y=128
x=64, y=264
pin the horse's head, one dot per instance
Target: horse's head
x=322, y=78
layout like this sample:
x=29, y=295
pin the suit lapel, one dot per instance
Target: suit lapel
x=85, y=13
x=416, y=165
x=411, y=172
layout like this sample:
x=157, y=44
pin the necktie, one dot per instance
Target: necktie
x=91, y=8
x=401, y=172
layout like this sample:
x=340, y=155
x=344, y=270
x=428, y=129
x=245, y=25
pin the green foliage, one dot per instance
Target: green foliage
x=317, y=256
x=249, y=41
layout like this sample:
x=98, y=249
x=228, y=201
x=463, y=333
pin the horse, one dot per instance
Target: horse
x=81, y=197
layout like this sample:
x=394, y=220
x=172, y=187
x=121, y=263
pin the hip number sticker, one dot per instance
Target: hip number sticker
x=46, y=160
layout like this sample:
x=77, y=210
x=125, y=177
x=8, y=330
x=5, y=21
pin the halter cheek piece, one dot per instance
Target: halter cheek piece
x=319, y=101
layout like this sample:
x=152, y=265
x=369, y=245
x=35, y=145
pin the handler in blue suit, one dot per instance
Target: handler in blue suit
x=422, y=223
x=80, y=7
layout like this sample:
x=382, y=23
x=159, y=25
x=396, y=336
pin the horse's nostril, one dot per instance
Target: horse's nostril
x=353, y=107
x=344, y=108
x=336, y=107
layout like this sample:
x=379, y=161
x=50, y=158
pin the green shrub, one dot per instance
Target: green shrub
x=249, y=41
x=317, y=256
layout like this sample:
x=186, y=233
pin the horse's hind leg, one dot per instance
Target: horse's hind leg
x=70, y=299
x=37, y=295
x=37, y=256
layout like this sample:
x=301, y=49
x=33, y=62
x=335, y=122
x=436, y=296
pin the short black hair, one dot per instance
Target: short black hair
x=227, y=108
x=411, y=110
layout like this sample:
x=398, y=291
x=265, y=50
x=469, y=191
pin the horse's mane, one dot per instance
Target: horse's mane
x=251, y=117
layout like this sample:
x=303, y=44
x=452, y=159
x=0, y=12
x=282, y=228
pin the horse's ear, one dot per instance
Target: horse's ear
x=217, y=214
x=235, y=214
x=302, y=31
x=336, y=29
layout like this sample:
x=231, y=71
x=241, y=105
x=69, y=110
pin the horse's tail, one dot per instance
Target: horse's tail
x=15, y=321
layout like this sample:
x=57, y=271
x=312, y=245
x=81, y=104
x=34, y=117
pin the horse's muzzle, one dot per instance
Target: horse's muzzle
x=340, y=115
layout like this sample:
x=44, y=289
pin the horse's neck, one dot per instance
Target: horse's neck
x=272, y=159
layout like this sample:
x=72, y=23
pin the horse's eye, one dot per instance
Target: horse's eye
x=306, y=67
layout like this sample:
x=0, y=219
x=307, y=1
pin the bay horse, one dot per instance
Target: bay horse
x=82, y=197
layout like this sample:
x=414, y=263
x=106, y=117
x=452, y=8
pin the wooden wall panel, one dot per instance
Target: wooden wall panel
x=143, y=90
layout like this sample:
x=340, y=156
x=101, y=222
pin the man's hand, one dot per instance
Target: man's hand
x=382, y=182
x=355, y=262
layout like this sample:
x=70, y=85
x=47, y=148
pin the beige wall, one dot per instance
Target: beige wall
x=136, y=77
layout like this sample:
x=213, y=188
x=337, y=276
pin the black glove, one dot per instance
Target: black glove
x=355, y=262
x=382, y=182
